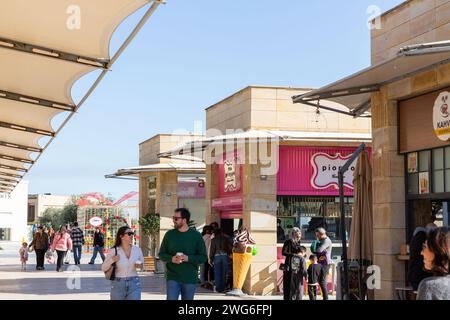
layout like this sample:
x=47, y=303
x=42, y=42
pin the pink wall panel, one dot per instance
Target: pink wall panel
x=295, y=170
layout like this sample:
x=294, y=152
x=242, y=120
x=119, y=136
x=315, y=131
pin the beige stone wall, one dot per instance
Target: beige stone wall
x=414, y=22
x=389, y=226
x=149, y=149
x=166, y=201
x=271, y=108
x=231, y=113
x=259, y=216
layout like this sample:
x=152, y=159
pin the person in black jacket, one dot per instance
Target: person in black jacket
x=99, y=245
x=294, y=270
x=416, y=271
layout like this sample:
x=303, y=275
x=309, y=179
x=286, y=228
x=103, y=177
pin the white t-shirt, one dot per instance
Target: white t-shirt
x=124, y=267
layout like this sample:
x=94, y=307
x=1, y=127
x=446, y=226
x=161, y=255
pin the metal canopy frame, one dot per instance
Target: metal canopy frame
x=18, y=127
x=101, y=64
x=18, y=146
x=313, y=99
x=36, y=101
x=4, y=166
x=52, y=53
x=12, y=175
x=22, y=160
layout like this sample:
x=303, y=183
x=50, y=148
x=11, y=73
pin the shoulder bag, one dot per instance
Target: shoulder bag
x=110, y=274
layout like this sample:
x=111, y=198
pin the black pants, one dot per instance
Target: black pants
x=40, y=255
x=286, y=285
x=312, y=292
x=60, y=261
x=323, y=282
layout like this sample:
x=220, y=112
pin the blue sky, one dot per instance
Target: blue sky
x=190, y=55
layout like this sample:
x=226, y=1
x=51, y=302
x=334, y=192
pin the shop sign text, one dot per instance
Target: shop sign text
x=441, y=119
x=326, y=168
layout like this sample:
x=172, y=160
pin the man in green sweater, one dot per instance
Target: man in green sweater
x=183, y=250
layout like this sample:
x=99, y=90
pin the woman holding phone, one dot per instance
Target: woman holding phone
x=126, y=256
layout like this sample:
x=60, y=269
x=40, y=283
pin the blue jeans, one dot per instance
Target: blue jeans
x=98, y=249
x=77, y=253
x=220, y=271
x=126, y=289
x=174, y=289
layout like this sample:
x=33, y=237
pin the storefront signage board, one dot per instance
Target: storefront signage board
x=441, y=116
x=424, y=121
x=326, y=168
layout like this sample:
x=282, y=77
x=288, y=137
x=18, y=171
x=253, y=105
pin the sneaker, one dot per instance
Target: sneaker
x=91, y=263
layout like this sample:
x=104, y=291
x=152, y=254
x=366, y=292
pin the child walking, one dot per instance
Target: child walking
x=23, y=252
x=315, y=275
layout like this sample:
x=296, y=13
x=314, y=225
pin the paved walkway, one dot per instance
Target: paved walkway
x=86, y=284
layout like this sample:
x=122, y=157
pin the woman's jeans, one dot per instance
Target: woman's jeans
x=98, y=249
x=220, y=271
x=60, y=261
x=126, y=289
x=174, y=289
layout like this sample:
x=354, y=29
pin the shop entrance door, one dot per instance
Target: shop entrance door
x=230, y=222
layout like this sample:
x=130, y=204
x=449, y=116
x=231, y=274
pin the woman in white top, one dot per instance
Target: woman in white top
x=126, y=285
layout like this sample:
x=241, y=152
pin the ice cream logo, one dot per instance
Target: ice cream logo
x=326, y=168
x=231, y=176
x=441, y=123
x=444, y=107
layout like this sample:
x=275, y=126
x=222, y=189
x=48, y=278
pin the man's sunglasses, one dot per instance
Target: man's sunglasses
x=176, y=218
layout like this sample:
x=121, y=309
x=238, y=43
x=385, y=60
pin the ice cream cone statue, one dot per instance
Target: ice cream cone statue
x=243, y=250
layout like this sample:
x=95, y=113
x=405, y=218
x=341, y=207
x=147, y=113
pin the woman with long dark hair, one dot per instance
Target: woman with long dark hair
x=220, y=250
x=126, y=256
x=436, y=258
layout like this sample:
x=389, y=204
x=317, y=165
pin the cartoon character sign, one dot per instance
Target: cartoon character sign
x=231, y=179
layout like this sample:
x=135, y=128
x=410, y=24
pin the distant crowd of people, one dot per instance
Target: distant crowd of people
x=68, y=238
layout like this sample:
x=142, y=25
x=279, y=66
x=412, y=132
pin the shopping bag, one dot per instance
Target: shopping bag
x=50, y=257
x=67, y=257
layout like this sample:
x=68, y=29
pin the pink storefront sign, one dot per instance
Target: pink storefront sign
x=312, y=171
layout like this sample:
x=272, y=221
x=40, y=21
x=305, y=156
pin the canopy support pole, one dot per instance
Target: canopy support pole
x=342, y=171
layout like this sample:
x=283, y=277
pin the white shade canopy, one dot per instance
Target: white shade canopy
x=355, y=91
x=158, y=167
x=194, y=150
x=45, y=47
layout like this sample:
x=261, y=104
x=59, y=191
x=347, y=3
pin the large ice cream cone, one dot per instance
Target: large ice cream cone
x=241, y=265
